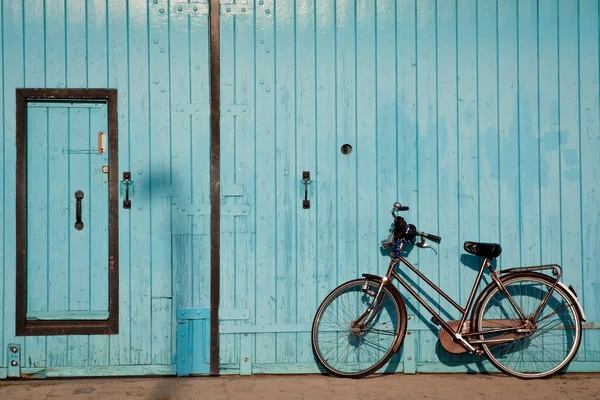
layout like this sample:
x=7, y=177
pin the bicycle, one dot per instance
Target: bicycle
x=527, y=323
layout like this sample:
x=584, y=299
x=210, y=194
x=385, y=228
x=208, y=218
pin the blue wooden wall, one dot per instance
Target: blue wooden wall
x=483, y=116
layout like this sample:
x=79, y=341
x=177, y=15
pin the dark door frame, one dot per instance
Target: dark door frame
x=215, y=182
x=26, y=327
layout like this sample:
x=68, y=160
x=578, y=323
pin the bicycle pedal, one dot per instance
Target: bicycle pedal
x=435, y=321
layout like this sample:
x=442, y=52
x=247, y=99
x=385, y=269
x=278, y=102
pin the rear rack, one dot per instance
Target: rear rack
x=555, y=268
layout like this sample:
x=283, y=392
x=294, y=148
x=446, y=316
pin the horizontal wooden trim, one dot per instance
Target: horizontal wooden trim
x=116, y=370
x=67, y=315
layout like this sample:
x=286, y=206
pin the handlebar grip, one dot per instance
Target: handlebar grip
x=429, y=236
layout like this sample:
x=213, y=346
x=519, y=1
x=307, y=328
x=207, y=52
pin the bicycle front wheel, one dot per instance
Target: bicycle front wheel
x=536, y=348
x=352, y=350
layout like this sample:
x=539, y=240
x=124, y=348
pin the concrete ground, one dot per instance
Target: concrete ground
x=398, y=386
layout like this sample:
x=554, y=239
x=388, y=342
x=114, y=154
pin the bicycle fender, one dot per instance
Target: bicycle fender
x=401, y=304
x=574, y=296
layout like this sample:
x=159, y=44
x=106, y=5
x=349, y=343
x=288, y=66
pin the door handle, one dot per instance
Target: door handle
x=78, y=197
x=306, y=181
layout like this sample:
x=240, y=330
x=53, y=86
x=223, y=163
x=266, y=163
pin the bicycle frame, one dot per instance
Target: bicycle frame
x=397, y=258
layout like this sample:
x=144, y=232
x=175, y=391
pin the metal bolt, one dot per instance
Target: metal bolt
x=14, y=363
x=409, y=358
x=243, y=10
x=14, y=349
x=268, y=11
x=228, y=9
x=155, y=41
x=162, y=10
x=195, y=8
x=180, y=9
x=409, y=333
x=105, y=169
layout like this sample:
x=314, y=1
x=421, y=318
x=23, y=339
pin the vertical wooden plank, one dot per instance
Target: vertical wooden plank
x=427, y=152
x=228, y=291
x=37, y=227
x=550, y=200
x=468, y=137
x=345, y=131
x=528, y=132
x=13, y=75
x=306, y=141
x=487, y=97
x=508, y=112
x=450, y=247
x=78, y=240
x=286, y=173
x=327, y=243
x=569, y=137
x=3, y=179
x=589, y=109
x=200, y=163
x=406, y=115
x=245, y=167
x=160, y=147
x=265, y=275
x=34, y=347
x=60, y=222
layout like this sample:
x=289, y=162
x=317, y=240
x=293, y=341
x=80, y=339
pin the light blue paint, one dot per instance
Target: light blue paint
x=482, y=117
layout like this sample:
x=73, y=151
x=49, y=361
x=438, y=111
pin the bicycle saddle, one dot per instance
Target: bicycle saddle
x=485, y=250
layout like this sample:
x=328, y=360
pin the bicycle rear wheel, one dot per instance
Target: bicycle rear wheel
x=357, y=351
x=541, y=347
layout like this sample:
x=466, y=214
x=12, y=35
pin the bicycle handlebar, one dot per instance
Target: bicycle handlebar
x=429, y=236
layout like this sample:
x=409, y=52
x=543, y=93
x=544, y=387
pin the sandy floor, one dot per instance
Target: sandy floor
x=399, y=386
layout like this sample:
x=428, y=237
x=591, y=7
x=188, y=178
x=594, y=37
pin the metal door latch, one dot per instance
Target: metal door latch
x=127, y=181
x=306, y=180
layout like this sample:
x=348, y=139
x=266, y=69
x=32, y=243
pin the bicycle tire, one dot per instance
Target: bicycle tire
x=534, y=354
x=360, y=361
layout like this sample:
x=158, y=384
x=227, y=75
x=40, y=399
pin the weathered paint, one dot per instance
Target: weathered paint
x=483, y=116
x=480, y=115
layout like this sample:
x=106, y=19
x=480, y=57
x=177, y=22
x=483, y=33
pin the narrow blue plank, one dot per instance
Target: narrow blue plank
x=570, y=149
x=61, y=220
x=79, y=243
x=590, y=148
x=35, y=53
x=160, y=157
x=98, y=267
x=2, y=178
x=468, y=173
x=406, y=132
x=227, y=346
x=569, y=138
x=265, y=274
x=286, y=176
x=38, y=155
x=508, y=113
x=549, y=134
x=327, y=245
x=450, y=247
x=306, y=141
x=345, y=132
x=487, y=97
x=244, y=177
x=528, y=132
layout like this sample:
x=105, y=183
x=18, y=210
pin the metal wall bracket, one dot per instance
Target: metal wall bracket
x=199, y=8
x=14, y=361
